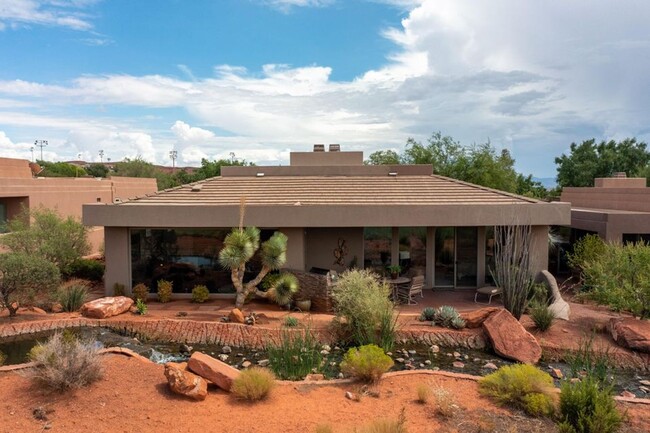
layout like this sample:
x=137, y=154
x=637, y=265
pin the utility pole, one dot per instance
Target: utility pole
x=32, y=149
x=101, y=156
x=41, y=144
x=173, y=154
x=232, y=157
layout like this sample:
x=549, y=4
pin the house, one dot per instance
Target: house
x=19, y=188
x=336, y=212
x=616, y=208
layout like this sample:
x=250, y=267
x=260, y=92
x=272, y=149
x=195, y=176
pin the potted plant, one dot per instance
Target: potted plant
x=303, y=304
x=394, y=271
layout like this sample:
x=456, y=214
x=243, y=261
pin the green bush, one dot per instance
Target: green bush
x=587, y=250
x=140, y=291
x=585, y=407
x=295, y=355
x=22, y=277
x=253, y=384
x=523, y=386
x=448, y=317
x=64, y=362
x=141, y=307
x=588, y=360
x=72, y=295
x=362, y=304
x=200, y=294
x=164, y=291
x=428, y=314
x=367, y=363
x=119, y=289
x=541, y=315
x=282, y=288
x=291, y=321
x=86, y=269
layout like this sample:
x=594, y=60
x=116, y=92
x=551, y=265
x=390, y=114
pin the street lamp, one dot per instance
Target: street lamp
x=32, y=149
x=173, y=154
x=232, y=157
x=41, y=144
x=101, y=156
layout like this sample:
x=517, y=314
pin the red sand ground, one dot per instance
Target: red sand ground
x=134, y=397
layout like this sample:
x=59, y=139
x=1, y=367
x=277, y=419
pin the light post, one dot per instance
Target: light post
x=232, y=157
x=101, y=156
x=41, y=144
x=173, y=154
x=32, y=149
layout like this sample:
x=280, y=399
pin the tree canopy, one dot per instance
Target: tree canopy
x=60, y=169
x=589, y=160
x=479, y=164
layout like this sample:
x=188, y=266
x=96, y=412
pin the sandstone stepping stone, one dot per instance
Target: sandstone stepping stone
x=217, y=372
x=106, y=307
x=631, y=333
x=184, y=382
x=491, y=366
x=510, y=340
x=458, y=364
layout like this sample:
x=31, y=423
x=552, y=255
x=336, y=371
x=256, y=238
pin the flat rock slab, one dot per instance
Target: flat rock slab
x=631, y=333
x=184, y=382
x=217, y=372
x=510, y=339
x=475, y=318
x=106, y=307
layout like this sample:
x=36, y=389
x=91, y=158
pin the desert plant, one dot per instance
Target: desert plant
x=200, y=294
x=361, y=304
x=295, y=355
x=140, y=291
x=22, y=276
x=64, y=362
x=423, y=393
x=428, y=314
x=448, y=317
x=291, y=321
x=324, y=428
x=585, y=407
x=523, y=386
x=164, y=291
x=119, y=289
x=384, y=425
x=72, y=295
x=444, y=402
x=587, y=250
x=282, y=288
x=141, y=307
x=387, y=333
x=366, y=363
x=253, y=384
x=87, y=269
x=42, y=232
x=588, y=360
x=541, y=315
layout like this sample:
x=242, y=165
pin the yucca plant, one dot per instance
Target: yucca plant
x=72, y=295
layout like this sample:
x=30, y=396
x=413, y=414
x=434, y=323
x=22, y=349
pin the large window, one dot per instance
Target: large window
x=186, y=257
x=377, y=247
x=413, y=250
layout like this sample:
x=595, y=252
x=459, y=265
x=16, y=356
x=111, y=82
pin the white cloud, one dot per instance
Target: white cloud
x=188, y=134
x=18, y=13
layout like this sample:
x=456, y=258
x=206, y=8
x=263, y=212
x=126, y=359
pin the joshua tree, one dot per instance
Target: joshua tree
x=240, y=246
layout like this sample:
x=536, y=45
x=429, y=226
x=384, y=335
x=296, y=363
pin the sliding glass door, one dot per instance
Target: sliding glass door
x=456, y=257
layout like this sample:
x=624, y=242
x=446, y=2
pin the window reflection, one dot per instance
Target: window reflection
x=377, y=247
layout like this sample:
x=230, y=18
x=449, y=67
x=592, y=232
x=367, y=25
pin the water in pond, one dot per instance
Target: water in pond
x=406, y=356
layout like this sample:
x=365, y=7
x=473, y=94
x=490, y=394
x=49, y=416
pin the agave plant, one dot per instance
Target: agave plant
x=448, y=317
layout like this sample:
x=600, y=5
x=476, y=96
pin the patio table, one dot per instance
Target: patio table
x=395, y=283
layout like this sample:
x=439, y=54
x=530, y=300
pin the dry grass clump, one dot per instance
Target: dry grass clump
x=386, y=425
x=64, y=362
x=444, y=402
x=324, y=428
x=253, y=384
x=424, y=393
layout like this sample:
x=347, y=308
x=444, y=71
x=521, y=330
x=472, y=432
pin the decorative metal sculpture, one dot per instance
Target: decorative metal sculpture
x=340, y=252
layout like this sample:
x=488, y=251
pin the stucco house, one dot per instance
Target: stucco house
x=336, y=212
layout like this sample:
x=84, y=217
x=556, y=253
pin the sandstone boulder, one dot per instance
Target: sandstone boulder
x=631, y=333
x=236, y=316
x=474, y=319
x=509, y=338
x=558, y=305
x=184, y=382
x=106, y=307
x=217, y=372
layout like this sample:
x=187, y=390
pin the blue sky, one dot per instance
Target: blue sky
x=262, y=77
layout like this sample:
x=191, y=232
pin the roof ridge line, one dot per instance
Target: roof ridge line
x=485, y=188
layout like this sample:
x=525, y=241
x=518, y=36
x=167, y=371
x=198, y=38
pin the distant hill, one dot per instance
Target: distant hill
x=548, y=182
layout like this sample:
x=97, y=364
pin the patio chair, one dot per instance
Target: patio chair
x=489, y=291
x=408, y=291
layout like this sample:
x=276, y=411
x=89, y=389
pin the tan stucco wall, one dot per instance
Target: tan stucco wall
x=118, y=258
x=320, y=244
x=629, y=199
x=15, y=168
x=325, y=158
x=295, y=247
x=539, y=249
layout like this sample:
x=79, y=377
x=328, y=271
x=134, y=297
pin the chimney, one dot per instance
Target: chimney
x=335, y=147
x=319, y=148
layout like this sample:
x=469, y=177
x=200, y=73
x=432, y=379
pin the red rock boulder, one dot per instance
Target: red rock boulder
x=509, y=338
x=217, y=372
x=106, y=307
x=236, y=316
x=184, y=382
x=631, y=333
x=475, y=318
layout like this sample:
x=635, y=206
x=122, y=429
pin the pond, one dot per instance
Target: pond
x=407, y=356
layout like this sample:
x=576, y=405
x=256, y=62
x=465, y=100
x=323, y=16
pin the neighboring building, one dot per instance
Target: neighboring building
x=20, y=189
x=616, y=208
x=337, y=213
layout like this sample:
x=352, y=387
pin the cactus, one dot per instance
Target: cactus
x=428, y=314
x=448, y=317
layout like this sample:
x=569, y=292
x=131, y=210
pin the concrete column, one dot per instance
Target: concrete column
x=295, y=248
x=394, y=247
x=431, y=256
x=480, y=270
x=539, y=249
x=117, y=250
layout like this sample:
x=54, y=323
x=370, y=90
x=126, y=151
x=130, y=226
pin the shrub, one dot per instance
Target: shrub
x=22, y=276
x=587, y=250
x=140, y=291
x=593, y=362
x=367, y=363
x=141, y=307
x=448, y=317
x=291, y=321
x=164, y=291
x=423, y=393
x=541, y=315
x=361, y=303
x=296, y=354
x=386, y=425
x=428, y=314
x=119, y=289
x=253, y=384
x=585, y=407
x=3, y=358
x=444, y=402
x=72, y=295
x=86, y=269
x=200, y=294
x=64, y=362
x=523, y=386
x=282, y=288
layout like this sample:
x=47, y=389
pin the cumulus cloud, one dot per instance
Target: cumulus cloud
x=18, y=13
x=189, y=134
